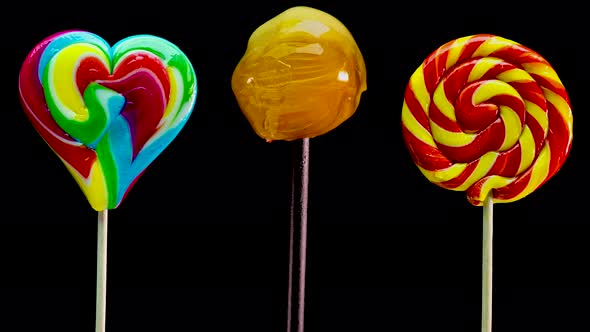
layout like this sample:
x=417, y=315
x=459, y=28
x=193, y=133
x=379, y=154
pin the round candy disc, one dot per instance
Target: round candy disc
x=107, y=112
x=486, y=115
x=302, y=75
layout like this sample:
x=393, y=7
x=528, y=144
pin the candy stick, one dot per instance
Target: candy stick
x=101, y=270
x=107, y=112
x=298, y=236
x=487, y=264
x=488, y=116
x=301, y=76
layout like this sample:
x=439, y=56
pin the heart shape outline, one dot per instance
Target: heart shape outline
x=107, y=112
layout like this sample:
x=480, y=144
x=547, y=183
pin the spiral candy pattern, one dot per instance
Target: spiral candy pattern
x=107, y=112
x=484, y=114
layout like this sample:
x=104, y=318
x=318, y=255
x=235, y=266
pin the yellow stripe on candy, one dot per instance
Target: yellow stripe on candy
x=515, y=75
x=484, y=164
x=492, y=88
x=527, y=141
x=442, y=175
x=512, y=127
x=410, y=122
x=62, y=79
x=492, y=182
x=419, y=88
x=482, y=67
x=539, y=114
x=527, y=149
x=93, y=187
x=542, y=69
x=492, y=45
x=455, y=51
x=442, y=102
x=539, y=174
x=562, y=107
x=448, y=138
x=175, y=92
x=540, y=170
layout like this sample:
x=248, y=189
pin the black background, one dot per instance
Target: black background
x=201, y=242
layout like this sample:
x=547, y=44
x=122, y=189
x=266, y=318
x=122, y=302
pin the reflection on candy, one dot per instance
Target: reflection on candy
x=483, y=113
x=302, y=75
x=107, y=112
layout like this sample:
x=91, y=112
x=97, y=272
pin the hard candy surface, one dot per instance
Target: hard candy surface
x=107, y=111
x=301, y=76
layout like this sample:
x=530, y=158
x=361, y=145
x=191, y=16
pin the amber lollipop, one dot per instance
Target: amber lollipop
x=301, y=76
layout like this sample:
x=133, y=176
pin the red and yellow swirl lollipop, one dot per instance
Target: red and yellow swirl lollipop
x=486, y=115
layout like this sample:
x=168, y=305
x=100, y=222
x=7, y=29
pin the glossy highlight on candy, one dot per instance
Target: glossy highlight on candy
x=301, y=76
x=485, y=114
x=107, y=112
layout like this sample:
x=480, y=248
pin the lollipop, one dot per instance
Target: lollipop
x=301, y=76
x=107, y=112
x=488, y=116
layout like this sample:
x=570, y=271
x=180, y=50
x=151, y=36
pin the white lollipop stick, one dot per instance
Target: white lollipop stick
x=486, y=291
x=101, y=271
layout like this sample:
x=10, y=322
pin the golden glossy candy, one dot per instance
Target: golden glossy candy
x=302, y=75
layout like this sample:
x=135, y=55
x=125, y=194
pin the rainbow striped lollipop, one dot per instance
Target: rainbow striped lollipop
x=107, y=112
x=488, y=116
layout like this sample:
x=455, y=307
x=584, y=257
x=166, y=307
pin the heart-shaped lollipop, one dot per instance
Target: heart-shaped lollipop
x=107, y=112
